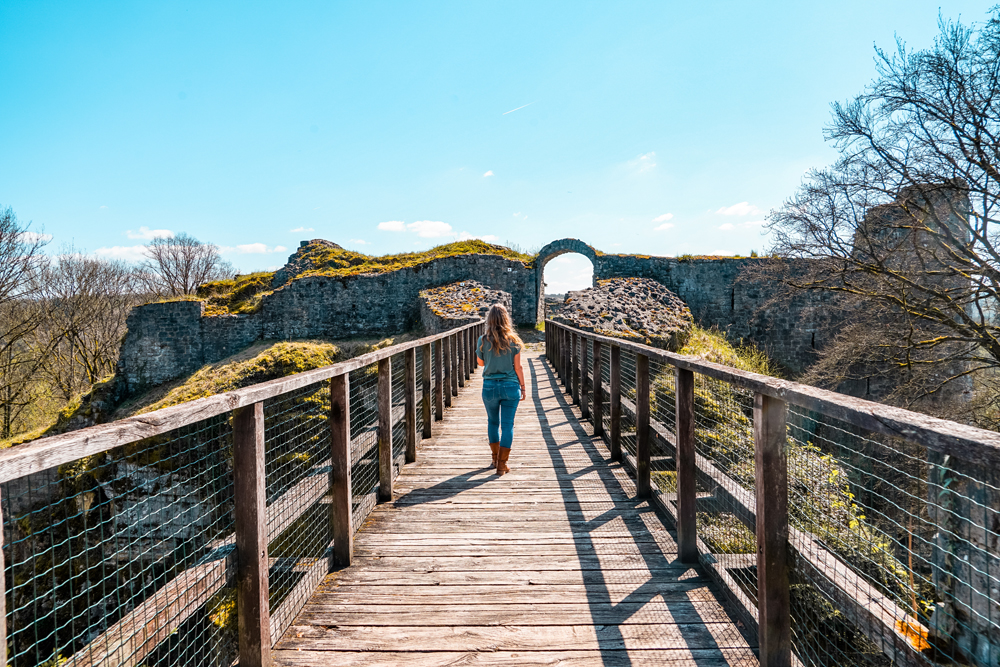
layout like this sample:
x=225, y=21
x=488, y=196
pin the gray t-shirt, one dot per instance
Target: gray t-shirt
x=498, y=366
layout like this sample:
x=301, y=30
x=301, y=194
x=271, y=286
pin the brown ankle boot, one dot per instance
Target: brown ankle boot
x=502, y=461
x=495, y=448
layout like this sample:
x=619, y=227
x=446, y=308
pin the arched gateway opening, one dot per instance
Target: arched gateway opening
x=550, y=252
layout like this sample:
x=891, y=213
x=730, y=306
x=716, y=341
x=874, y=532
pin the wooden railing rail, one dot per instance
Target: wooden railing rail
x=129, y=641
x=766, y=511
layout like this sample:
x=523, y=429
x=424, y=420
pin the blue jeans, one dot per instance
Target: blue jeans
x=501, y=398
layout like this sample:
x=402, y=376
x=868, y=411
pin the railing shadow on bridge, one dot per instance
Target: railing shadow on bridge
x=193, y=535
x=843, y=532
x=695, y=636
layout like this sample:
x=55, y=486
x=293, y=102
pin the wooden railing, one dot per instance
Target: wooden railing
x=764, y=509
x=257, y=523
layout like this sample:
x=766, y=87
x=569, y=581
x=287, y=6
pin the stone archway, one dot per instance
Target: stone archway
x=551, y=251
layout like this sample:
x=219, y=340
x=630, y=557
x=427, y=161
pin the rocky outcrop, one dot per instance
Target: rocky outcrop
x=636, y=309
x=450, y=306
x=299, y=260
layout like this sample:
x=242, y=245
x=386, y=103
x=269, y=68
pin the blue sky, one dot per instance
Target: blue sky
x=651, y=127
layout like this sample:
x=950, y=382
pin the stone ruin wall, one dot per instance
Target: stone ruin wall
x=166, y=341
x=791, y=334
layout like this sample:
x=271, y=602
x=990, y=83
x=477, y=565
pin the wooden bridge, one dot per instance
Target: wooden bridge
x=556, y=563
x=347, y=516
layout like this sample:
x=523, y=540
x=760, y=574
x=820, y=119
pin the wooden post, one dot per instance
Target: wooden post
x=410, y=361
x=687, y=527
x=563, y=352
x=584, y=368
x=455, y=372
x=772, y=531
x=250, y=516
x=438, y=381
x=642, y=426
x=460, y=365
x=573, y=388
x=385, y=429
x=425, y=390
x=470, y=354
x=616, y=403
x=598, y=392
x=548, y=342
x=340, y=470
x=446, y=362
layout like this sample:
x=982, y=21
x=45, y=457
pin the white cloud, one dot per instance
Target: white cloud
x=429, y=229
x=522, y=216
x=488, y=238
x=743, y=208
x=664, y=217
x=253, y=249
x=133, y=253
x=727, y=226
x=664, y=227
x=358, y=242
x=489, y=173
x=147, y=234
x=392, y=226
x=301, y=229
x=102, y=207
x=644, y=162
x=35, y=237
x=723, y=252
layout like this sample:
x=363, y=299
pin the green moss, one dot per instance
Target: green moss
x=244, y=294
x=241, y=294
x=328, y=261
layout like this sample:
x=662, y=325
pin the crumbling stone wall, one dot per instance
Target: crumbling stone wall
x=791, y=335
x=166, y=341
x=451, y=306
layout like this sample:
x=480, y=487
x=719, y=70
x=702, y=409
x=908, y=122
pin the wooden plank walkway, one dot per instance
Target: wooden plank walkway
x=555, y=563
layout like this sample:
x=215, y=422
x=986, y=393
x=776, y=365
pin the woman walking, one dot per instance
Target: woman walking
x=499, y=352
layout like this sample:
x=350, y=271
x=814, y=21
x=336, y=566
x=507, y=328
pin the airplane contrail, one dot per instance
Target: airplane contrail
x=521, y=107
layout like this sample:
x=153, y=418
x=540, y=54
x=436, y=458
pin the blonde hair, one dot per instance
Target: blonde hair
x=499, y=331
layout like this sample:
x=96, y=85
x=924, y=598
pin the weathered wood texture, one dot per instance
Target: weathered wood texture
x=642, y=425
x=771, y=467
x=250, y=517
x=556, y=563
x=687, y=528
x=975, y=445
x=410, y=404
x=385, y=420
x=340, y=470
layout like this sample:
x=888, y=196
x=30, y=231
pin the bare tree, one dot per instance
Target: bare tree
x=22, y=312
x=88, y=301
x=178, y=264
x=904, y=225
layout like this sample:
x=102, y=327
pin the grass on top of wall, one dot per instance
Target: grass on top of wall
x=244, y=294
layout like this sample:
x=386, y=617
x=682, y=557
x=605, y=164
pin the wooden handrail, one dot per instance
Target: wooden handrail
x=55, y=450
x=975, y=445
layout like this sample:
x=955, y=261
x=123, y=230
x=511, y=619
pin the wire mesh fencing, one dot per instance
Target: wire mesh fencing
x=297, y=474
x=628, y=396
x=364, y=442
x=662, y=418
x=723, y=421
x=891, y=540
x=418, y=389
x=96, y=549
